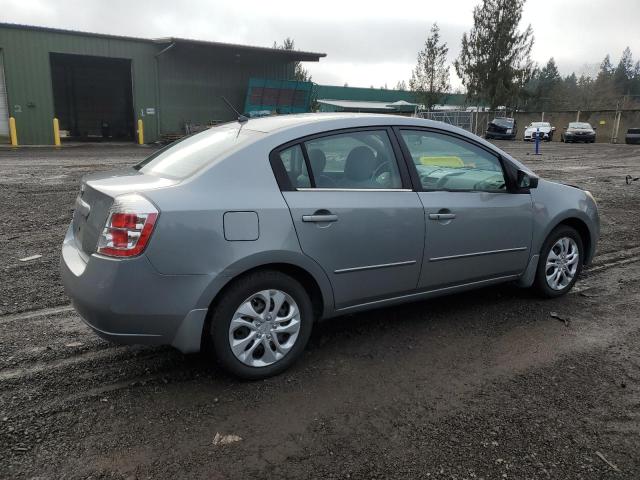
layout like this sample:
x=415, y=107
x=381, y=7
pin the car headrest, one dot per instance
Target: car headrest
x=360, y=164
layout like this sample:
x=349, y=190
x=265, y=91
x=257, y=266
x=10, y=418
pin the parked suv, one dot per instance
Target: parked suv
x=578, y=132
x=237, y=239
x=502, y=129
x=632, y=136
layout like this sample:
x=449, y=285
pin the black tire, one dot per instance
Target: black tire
x=540, y=282
x=238, y=292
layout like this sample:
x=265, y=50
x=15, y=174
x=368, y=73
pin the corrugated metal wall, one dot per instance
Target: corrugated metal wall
x=192, y=78
x=28, y=75
x=4, y=106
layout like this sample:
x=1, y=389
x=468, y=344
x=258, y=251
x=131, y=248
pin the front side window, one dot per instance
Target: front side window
x=354, y=160
x=444, y=162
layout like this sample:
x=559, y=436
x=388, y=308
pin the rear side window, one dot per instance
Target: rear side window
x=354, y=160
x=185, y=157
x=293, y=162
x=448, y=163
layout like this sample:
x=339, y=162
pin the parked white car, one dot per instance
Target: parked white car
x=545, y=129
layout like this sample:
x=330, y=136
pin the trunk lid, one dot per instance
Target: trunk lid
x=97, y=193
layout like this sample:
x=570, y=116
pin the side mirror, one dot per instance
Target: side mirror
x=553, y=129
x=526, y=180
x=595, y=128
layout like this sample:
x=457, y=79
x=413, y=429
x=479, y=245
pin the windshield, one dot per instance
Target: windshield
x=503, y=122
x=540, y=124
x=185, y=157
x=579, y=125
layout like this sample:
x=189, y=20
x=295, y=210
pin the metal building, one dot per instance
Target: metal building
x=99, y=86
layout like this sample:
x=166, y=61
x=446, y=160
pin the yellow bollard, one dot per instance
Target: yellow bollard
x=140, y=132
x=56, y=132
x=13, y=134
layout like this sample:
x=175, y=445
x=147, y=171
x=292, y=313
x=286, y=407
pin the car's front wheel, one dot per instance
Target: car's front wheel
x=560, y=262
x=261, y=325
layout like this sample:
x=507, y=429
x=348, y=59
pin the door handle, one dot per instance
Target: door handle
x=442, y=216
x=320, y=218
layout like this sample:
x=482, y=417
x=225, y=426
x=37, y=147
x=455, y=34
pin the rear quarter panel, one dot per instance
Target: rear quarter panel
x=190, y=239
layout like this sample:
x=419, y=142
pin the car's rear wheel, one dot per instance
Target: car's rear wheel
x=560, y=262
x=261, y=325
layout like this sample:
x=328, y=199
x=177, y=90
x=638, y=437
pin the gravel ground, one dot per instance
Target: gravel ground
x=481, y=385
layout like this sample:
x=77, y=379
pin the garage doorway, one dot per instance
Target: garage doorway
x=92, y=97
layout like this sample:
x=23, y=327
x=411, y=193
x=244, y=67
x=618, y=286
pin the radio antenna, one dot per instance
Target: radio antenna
x=241, y=118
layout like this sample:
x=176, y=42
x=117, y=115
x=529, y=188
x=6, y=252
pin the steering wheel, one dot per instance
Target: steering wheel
x=380, y=169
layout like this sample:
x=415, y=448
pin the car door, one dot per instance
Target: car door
x=476, y=228
x=354, y=212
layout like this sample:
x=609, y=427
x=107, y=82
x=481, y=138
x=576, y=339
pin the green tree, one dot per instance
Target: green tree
x=300, y=73
x=430, y=79
x=604, y=89
x=635, y=81
x=494, y=62
x=623, y=74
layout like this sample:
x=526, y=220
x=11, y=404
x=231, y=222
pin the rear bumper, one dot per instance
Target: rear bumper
x=129, y=302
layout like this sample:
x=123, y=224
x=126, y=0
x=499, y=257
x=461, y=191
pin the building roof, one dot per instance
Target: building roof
x=295, y=55
x=336, y=92
x=357, y=105
x=400, y=105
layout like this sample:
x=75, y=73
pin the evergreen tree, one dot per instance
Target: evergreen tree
x=635, y=81
x=604, y=90
x=300, y=73
x=494, y=62
x=623, y=74
x=430, y=78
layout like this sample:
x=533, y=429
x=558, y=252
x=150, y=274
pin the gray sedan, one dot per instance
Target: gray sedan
x=236, y=240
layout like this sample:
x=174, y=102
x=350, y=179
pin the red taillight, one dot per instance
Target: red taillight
x=128, y=228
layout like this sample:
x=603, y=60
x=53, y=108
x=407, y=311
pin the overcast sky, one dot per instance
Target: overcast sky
x=367, y=43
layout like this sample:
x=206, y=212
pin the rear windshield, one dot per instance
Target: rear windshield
x=185, y=157
x=634, y=131
x=503, y=122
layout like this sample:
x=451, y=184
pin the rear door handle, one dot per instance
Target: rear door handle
x=442, y=216
x=320, y=218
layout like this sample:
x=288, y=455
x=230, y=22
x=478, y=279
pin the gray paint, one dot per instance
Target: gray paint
x=241, y=226
x=377, y=252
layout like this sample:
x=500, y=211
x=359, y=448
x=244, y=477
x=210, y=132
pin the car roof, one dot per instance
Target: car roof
x=332, y=121
x=293, y=126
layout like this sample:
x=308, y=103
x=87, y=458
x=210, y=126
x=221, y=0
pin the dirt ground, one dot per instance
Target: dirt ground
x=481, y=385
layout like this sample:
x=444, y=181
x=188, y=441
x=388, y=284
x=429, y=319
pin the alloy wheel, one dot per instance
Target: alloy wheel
x=264, y=328
x=562, y=263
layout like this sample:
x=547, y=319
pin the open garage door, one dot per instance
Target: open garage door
x=93, y=97
x=4, y=105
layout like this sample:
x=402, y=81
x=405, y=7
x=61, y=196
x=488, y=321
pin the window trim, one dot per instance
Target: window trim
x=507, y=173
x=285, y=183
